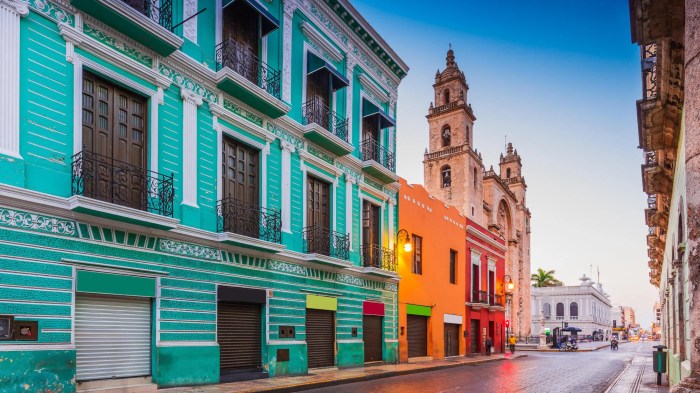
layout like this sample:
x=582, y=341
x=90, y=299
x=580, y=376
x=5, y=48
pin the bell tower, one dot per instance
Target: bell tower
x=453, y=170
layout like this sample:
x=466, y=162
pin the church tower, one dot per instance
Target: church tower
x=453, y=170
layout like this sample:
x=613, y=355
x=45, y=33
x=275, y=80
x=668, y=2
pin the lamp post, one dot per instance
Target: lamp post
x=407, y=247
x=508, y=283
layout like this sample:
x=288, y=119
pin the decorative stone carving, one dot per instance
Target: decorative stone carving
x=352, y=280
x=286, y=267
x=36, y=222
x=190, y=250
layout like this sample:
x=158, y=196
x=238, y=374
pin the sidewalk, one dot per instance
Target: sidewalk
x=639, y=377
x=329, y=377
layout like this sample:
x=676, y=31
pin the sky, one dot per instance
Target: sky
x=559, y=79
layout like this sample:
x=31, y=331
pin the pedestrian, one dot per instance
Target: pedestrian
x=489, y=344
x=511, y=343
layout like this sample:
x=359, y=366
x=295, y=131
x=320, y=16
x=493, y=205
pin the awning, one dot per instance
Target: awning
x=369, y=110
x=269, y=22
x=317, y=64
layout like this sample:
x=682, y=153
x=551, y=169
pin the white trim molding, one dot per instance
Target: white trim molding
x=368, y=84
x=10, y=14
x=190, y=103
x=287, y=151
x=320, y=41
x=453, y=319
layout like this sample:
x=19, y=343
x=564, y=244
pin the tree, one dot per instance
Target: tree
x=545, y=279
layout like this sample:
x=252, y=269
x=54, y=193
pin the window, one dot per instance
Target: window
x=318, y=215
x=446, y=136
x=446, y=176
x=417, y=266
x=547, y=310
x=475, y=277
x=508, y=173
x=560, y=310
x=447, y=96
x=573, y=310
x=453, y=267
x=475, y=178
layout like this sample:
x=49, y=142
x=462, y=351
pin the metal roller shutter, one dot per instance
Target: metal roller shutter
x=320, y=337
x=112, y=337
x=372, y=336
x=417, y=336
x=239, y=333
x=451, y=339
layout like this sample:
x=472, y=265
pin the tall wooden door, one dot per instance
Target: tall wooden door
x=318, y=217
x=318, y=87
x=372, y=337
x=370, y=128
x=370, y=223
x=474, y=335
x=114, y=140
x=240, y=172
x=241, y=24
x=451, y=339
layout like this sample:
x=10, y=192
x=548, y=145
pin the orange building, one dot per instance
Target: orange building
x=433, y=276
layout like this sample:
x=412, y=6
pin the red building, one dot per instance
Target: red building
x=485, y=289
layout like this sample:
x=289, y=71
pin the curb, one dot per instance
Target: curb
x=370, y=377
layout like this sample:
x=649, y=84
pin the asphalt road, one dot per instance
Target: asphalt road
x=579, y=372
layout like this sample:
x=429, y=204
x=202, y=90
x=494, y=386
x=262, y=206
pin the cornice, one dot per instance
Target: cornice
x=476, y=232
x=219, y=111
x=320, y=41
x=20, y=8
x=372, y=87
x=373, y=191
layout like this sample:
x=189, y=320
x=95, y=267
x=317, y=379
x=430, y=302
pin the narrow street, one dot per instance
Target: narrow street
x=582, y=372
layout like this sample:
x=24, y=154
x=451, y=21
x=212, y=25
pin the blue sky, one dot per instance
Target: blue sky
x=560, y=79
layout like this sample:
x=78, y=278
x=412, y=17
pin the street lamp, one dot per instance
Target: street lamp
x=407, y=246
x=508, y=283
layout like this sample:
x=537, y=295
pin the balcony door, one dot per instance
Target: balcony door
x=318, y=217
x=475, y=283
x=114, y=167
x=240, y=172
x=241, y=23
x=492, y=286
x=318, y=87
x=370, y=234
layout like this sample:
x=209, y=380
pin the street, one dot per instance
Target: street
x=579, y=372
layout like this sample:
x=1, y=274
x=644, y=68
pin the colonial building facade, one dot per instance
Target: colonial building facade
x=454, y=173
x=585, y=306
x=194, y=191
x=669, y=135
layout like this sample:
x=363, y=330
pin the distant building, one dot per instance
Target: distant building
x=585, y=306
x=656, y=324
x=628, y=316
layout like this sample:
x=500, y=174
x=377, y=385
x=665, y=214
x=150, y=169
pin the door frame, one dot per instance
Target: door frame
x=307, y=170
x=264, y=149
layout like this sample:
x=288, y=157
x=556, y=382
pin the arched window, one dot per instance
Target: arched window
x=475, y=178
x=547, y=310
x=446, y=176
x=573, y=310
x=508, y=173
x=446, y=136
x=466, y=136
x=560, y=310
x=446, y=94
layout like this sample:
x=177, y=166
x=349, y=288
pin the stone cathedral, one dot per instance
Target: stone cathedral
x=454, y=172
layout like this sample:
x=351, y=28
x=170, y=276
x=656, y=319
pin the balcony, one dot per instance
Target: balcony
x=326, y=246
x=248, y=225
x=325, y=127
x=240, y=73
x=149, y=22
x=657, y=178
x=113, y=189
x=378, y=260
x=378, y=161
x=560, y=317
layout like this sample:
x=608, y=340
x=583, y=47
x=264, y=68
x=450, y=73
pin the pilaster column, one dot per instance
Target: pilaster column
x=287, y=150
x=290, y=6
x=349, y=91
x=392, y=230
x=691, y=114
x=190, y=102
x=10, y=13
x=349, y=181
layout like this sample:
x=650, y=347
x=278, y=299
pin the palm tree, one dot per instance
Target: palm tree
x=545, y=279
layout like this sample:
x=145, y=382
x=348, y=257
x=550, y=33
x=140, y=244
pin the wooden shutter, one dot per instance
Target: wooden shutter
x=240, y=172
x=320, y=337
x=372, y=337
x=417, y=336
x=318, y=203
x=112, y=337
x=239, y=333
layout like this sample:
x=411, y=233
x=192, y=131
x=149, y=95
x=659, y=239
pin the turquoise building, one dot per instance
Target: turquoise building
x=193, y=191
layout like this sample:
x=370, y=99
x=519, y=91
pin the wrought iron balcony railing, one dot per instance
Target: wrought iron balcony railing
x=320, y=240
x=378, y=257
x=372, y=150
x=480, y=297
x=649, y=67
x=496, y=300
x=159, y=11
x=244, y=62
x=315, y=111
x=250, y=220
x=106, y=179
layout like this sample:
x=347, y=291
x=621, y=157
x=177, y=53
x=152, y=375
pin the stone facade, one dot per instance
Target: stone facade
x=72, y=230
x=454, y=173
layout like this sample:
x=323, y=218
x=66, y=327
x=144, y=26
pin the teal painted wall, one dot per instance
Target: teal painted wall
x=37, y=371
x=295, y=365
x=350, y=354
x=177, y=366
